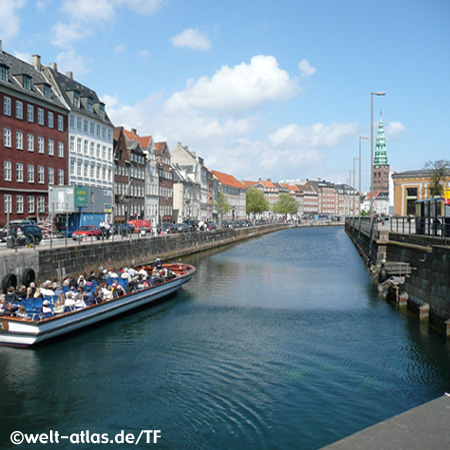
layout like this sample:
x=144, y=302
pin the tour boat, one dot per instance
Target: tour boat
x=18, y=332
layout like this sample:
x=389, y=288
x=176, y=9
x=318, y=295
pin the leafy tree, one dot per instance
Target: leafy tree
x=255, y=201
x=440, y=170
x=286, y=204
x=222, y=205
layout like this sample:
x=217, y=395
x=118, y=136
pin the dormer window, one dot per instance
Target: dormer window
x=90, y=104
x=26, y=82
x=76, y=99
x=3, y=72
x=47, y=91
x=102, y=110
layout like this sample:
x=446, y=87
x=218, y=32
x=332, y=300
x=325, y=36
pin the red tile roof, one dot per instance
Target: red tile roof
x=143, y=140
x=229, y=180
x=250, y=183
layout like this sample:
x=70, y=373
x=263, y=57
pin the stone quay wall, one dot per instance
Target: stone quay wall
x=51, y=263
x=426, y=290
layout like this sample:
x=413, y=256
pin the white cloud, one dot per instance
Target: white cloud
x=43, y=4
x=24, y=57
x=9, y=18
x=120, y=49
x=306, y=69
x=192, y=38
x=241, y=88
x=394, y=130
x=88, y=10
x=69, y=60
x=144, y=54
x=317, y=136
x=65, y=34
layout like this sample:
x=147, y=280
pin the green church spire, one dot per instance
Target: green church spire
x=380, y=149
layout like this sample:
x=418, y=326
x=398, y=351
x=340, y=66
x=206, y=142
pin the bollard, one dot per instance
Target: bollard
x=403, y=299
x=424, y=312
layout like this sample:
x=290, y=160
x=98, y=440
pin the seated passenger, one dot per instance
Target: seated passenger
x=33, y=288
x=69, y=301
x=107, y=294
x=143, y=272
x=59, y=290
x=22, y=293
x=2, y=304
x=46, y=289
x=80, y=303
x=11, y=296
x=71, y=292
x=125, y=275
x=98, y=296
x=45, y=308
x=158, y=263
x=38, y=294
x=22, y=312
x=9, y=309
x=60, y=304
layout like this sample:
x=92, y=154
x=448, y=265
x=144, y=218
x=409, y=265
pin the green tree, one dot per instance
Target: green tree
x=286, y=204
x=222, y=206
x=255, y=201
x=440, y=170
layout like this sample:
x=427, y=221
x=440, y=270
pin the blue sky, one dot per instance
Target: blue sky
x=271, y=89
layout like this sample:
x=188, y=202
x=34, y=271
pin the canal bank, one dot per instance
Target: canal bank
x=412, y=270
x=50, y=263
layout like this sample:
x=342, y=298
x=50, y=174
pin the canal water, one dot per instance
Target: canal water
x=278, y=342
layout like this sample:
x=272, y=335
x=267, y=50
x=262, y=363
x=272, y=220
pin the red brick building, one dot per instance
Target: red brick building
x=33, y=144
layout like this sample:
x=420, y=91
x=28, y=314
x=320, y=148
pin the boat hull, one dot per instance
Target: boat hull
x=15, y=332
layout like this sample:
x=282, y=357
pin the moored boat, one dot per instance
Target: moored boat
x=20, y=332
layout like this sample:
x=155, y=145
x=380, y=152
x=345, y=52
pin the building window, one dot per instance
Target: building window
x=7, y=106
x=30, y=143
x=30, y=173
x=8, y=203
x=30, y=113
x=51, y=147
x=19, y=110
x=41, y=175
x=27, y=82
x=61, y=177
x=19, y=140
x=72, y=121
x=41, y=146
x=79, y=145
x=98, y=150
x=72, y=143
x=19, y=172
x=40, y=116
x=60, y=123
x=98, y=130
x=85, y=125
x=72, y=167
x=78, y=168
x=47, y=91
x=61, y=149
x=19, y=204
x=102, y=110
x=92, y=170
x=50, y=119
x=90, y=104
x=3, y=73
x=86, y=170
x=76, y=99
x=78, y=123
x=7, y=137
x=7, y=171
x=92, y=127
x=92, y=149
x=51, y=175
x=41, y=203
x=30, y=204
x=86, y=147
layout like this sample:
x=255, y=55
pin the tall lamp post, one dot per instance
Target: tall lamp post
x=359, y=185
x=371, y=150
x=354, y=159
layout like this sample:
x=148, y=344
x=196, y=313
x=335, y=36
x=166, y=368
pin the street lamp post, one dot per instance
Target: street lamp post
x=354, y=159
x=371, y=150
x=359, y=185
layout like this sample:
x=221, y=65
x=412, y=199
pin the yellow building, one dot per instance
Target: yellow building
x=410, y=186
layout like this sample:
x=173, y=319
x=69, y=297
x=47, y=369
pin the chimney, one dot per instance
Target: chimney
x=134, y=131
x=69, y=74
x=37, y=62
x=54, y=66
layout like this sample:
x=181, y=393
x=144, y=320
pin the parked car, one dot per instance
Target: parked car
x=192, y=224
x=141, y=225
x=212, y=225
x=87, y=231
x=29, y=229
x=180, y=228
x=123, y=229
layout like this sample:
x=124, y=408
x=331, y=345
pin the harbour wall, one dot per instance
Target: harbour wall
x=425, y=289
x=51, y=263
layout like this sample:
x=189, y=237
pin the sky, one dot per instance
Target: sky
x=257, y=88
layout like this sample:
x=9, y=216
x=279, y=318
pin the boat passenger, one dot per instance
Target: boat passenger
x=126, y=275
x=80, y=303
x=117, y=289
x=107, y=294
x=158, y=264
x=59, y=290
x=132, y=271
x=45, y=308
x=29, y=293
x=9, y=309
x=11, y=295
x=71, y=292
x=38, y=293
x=143, y=272
x=2, y=303
x=46, y=289
x=78, y=293
x=69, y=302
x=22, y=312
x=98, y=296
x=33, y=288
x=22, y=292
